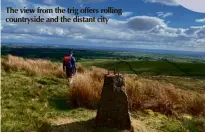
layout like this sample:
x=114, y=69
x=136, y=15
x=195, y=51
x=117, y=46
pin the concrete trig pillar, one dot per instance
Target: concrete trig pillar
x=113, y=106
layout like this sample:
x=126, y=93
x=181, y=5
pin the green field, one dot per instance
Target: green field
x=57, y=54
x=124, y=62
x=150, y=67
x=40, y=103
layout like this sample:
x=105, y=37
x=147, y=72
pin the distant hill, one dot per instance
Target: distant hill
x=103, y=48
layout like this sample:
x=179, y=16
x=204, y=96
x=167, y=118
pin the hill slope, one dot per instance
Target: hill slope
x=35, y=100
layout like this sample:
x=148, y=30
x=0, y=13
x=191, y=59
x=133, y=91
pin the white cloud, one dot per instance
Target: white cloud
x=144, y=22
x=200, y=20
x=164, y=15
x=135, y=32
x=193, y=5
x=164, y=2
x=127, y=14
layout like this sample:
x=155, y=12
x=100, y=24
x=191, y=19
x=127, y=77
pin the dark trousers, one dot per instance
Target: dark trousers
x=70, y=72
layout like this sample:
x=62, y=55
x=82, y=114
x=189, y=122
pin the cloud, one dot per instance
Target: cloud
x=193, y=5
x=144, y=22
x=164, y=15
x=135, y=32
x=164, y=2
x=200, y=20
x=127, y=14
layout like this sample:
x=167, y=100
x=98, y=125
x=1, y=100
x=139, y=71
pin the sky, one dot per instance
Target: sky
x=144, y=24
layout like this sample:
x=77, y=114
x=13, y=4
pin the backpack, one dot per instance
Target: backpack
x=67, y=60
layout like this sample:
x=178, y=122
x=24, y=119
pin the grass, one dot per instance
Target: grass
x=142, y=63
x=33, y=67
x=186, y=83
x=24, y=102
x=150, y=67
x=142, y=94
x=39, y=102
x=29, y=101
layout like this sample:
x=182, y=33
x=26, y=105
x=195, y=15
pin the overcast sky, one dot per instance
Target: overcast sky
x=147, y=24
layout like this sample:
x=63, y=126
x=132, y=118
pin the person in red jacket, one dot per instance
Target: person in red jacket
x=69, y=66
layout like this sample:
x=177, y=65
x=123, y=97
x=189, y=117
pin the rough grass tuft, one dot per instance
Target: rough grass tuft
x=37, y=67
x=85, y=91
x=142, y=94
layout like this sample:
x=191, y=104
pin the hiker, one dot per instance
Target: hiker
x=69, y=66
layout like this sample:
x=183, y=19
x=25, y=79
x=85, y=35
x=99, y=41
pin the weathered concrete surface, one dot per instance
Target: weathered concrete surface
x=113, y=106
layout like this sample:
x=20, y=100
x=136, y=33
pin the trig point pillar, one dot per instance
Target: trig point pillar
x=113, y=107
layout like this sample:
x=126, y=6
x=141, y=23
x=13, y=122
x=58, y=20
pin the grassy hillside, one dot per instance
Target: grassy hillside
x=35, y=97
x=125, y=62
